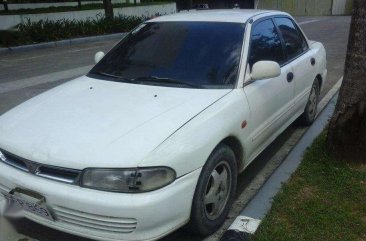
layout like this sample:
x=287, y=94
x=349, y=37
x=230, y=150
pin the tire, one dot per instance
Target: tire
x=213, y=196
x=308, y=117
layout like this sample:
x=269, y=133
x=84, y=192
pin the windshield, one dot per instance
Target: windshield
x=183, y=54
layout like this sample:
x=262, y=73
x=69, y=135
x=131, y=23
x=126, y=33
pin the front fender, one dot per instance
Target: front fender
x=190, y=146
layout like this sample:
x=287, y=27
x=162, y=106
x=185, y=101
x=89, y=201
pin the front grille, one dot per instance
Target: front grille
x=60, y=174
x=90, y=222
x=14, y=162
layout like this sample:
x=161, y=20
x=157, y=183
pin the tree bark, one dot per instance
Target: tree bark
x=108, y=9
x=5, y=2
x=79, y=4
x=347, y=128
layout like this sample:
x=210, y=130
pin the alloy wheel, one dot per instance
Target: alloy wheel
x=312, y=104
x=217, y=190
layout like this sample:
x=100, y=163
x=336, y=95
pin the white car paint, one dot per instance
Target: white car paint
x=90, y=123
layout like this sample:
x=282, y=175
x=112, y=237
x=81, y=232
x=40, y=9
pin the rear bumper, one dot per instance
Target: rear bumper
x=108, y=216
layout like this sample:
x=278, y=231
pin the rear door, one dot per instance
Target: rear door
x=269, y=99
x=300, y=58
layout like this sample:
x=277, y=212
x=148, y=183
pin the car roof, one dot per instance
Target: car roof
x=227, y=15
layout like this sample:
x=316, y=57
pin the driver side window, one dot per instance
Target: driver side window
x=265, y=43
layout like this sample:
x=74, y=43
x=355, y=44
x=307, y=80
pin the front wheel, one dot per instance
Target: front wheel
x=311, y=108
x=215, y=192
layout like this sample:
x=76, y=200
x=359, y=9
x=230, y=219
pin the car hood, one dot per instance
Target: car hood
x=93, y=123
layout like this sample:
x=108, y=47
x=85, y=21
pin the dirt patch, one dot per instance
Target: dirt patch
x=363, y=219
x=358, y=167
x=362, y=167
x=307, y=192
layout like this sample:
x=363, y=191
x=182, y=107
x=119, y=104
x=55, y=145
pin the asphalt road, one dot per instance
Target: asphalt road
x=20, y=80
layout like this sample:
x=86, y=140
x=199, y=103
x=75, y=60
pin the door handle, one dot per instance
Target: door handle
x=312, y=61
x=290, y=77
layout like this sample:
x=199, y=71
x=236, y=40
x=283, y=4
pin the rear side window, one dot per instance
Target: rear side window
x=295, y=43
x=265, y=43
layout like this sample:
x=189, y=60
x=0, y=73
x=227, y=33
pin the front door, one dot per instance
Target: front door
x=270, y=100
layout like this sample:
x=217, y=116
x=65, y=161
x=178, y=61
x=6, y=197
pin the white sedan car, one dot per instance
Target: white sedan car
x=155, y=135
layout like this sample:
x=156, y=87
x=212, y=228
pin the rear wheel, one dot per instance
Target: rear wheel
x=311, y=108
x=214, y=192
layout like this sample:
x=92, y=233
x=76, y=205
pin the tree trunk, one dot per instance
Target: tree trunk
x=79, y=4
x=5, y=2
x=108, y=9
x=347, y=128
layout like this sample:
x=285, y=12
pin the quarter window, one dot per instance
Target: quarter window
x=265, y=43
x=295, y=43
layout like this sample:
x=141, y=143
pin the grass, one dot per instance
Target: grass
x=324, y=200
x=74, y=8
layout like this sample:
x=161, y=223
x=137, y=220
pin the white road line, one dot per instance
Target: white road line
x=14, y=60
x=42, y=79
x=53, y=54
x=28, y=58
x=310, y=21
x=56, y=53
x=245, y=224
x=3, y=63
x=83, y=49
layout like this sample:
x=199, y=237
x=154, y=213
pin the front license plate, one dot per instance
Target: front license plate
x=16, y=203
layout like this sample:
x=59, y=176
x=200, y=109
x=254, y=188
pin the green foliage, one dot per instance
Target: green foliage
x=47, y=30
x=52, y=9
x=89, y=6
x=42, y=1
x=9, y=38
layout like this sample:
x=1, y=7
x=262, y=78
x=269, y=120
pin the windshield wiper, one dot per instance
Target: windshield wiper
x=151, y=79
x=113, y=76
x=155, y=79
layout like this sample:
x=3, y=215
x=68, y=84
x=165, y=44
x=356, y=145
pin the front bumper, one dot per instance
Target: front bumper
x=104, y=215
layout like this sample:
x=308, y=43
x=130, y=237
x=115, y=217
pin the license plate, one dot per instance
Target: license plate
x=16, y=203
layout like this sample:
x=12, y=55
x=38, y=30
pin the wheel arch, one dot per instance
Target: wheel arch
x=320, y=80
x=237, y=147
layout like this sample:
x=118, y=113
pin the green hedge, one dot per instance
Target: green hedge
x=91, y=6
x=45, y=1
x=46, y=30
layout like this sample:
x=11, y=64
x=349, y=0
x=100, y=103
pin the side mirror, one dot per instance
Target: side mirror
x=265, y=70
x=98, y=56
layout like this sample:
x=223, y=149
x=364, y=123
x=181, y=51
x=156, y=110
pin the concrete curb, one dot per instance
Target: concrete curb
x=60, y=43
x=250, y=218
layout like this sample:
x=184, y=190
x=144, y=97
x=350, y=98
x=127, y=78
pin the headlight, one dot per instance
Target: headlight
x=127, y=180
